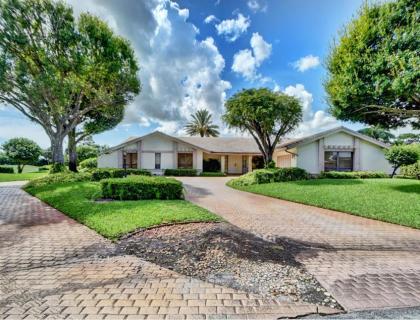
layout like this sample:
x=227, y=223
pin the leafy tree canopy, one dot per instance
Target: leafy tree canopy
x=408, y=138
x=265, y=114
x=373, y=70
x=57, y=70
x=401, y=156
x=22, y=151
x=202, y=125
x=378, y=133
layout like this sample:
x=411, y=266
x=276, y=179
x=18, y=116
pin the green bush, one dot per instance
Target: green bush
x=90, y=163
x=181, y=172
x=106, y=173
x=57, y=168
x=62, y=177
x=411, y=170
x=212, y=174
x=353, y=175
x=43, y=168
x=6, y=170
x=141, y=188
x=270, y=175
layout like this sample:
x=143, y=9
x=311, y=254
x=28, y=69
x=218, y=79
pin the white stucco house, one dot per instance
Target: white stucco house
x=336, y=149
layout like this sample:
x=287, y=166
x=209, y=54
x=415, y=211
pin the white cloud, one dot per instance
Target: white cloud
x=312, y=121
x=306, y=63
x=247, y=61
x=210, y=19
x=233, y=28
x=179, y=74
x=255, y=6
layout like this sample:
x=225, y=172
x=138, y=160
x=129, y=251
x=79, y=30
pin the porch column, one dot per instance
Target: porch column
x=249, y=163
x=194, y=159
x=321, y=155
x=199, y=165
x=120, y=158
x=175, y=150
x=356, y=155
x=139, y=155
x=222, y=163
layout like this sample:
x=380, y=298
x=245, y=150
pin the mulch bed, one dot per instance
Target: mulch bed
x=224, y=254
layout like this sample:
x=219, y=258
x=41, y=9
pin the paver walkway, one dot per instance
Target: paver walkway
x=52, y=267
x=365, y=264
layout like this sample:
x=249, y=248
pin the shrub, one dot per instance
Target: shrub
x=401, y=156
x=6, y=170
x=106, y=173
x=411, y=170
x=270, y=175
x=62, y=177
x=90, y=163
x=353, y=175
x=43, y=168
x=270, y=165
x=181, y=172
x=141, y=188
x=212, y=174
x=57, y=168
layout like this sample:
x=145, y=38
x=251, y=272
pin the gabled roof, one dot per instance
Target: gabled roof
x=223, y=144
x=295, y=142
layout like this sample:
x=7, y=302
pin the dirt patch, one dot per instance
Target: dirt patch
x=224, y=254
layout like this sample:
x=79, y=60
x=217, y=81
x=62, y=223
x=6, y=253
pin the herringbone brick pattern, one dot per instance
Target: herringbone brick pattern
x=52, y=267
x=365, y=264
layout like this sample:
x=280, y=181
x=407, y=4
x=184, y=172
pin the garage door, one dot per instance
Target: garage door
x=284, y=161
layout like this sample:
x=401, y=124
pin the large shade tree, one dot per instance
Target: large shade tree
x=56, y=70
x=202, y=125
x=378, y=133
x=264, y=114
x=373, y=69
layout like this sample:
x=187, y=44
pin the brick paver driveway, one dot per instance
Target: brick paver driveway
x=365, y=264
x=53, y=267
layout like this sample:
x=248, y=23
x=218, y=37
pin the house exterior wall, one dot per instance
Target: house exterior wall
x=308, y=157
x=340, y=138
x=234, y=164
x=109, y=160
x=372, y=158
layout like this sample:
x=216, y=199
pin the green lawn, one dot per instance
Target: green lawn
x=116, y=218
x=391, y=200
x=21, y=176
x=27, y=168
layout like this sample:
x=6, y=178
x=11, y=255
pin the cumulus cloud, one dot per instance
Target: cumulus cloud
x=255, y=6
x=210, y=19
x=179, y=74
x=233, y=28
x=312, y=121
x=247, y=61
x=306, y=63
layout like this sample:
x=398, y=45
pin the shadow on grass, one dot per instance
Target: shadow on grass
x=413, y=188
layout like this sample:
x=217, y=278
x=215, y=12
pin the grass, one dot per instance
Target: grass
x=116, y=218
x=391, y=200
x=4, y=177
x=26, y=168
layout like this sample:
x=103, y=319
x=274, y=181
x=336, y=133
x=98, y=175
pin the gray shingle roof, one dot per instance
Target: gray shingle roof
x=223, y=144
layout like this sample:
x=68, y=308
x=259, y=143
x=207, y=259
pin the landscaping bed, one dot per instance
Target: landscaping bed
x=224, y=254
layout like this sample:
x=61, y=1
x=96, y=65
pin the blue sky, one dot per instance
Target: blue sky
x=189, y=62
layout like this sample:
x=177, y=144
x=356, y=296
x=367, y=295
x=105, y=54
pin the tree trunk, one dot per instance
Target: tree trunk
x=57, y=150
x=393, y=172
x=72, y=150
x=20, y=168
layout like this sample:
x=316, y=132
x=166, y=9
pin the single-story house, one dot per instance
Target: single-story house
x=336, y=149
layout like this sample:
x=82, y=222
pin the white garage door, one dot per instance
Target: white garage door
x=284, y=161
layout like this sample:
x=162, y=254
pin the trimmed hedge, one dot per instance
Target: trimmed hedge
x=63, y=177
x=6, y=170
x=106, y=173
x=270, y=175
x=411, y=170
x=142, y=188
x=212, y=174
x=353, y=175
x=90, y=163
x=180, y=172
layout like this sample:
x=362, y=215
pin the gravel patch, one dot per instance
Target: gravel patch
x=224, y=254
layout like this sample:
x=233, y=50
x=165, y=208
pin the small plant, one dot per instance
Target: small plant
x=212, y=174
x=90, y=163
x=57, y=168
x=106, y=173
x=181, y=172
x=270, y=175
x=401, y=156
x=62, y=177
x=142, y=188
x=6, y=170
x=270, y=165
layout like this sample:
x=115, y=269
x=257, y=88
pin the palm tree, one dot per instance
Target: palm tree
x=201, y=124
x=378, y=133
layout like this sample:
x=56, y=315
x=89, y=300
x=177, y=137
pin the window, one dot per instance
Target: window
x=157, y=160
x=185, y=160
x=130, y=160
x=338, y=161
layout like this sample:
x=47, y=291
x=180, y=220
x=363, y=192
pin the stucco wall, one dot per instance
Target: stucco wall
x=293, y=160
x=157, y=143
x=109, y=160
x=167, y=160
x=308, y=157
x=372, y=158
x=340, y=138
